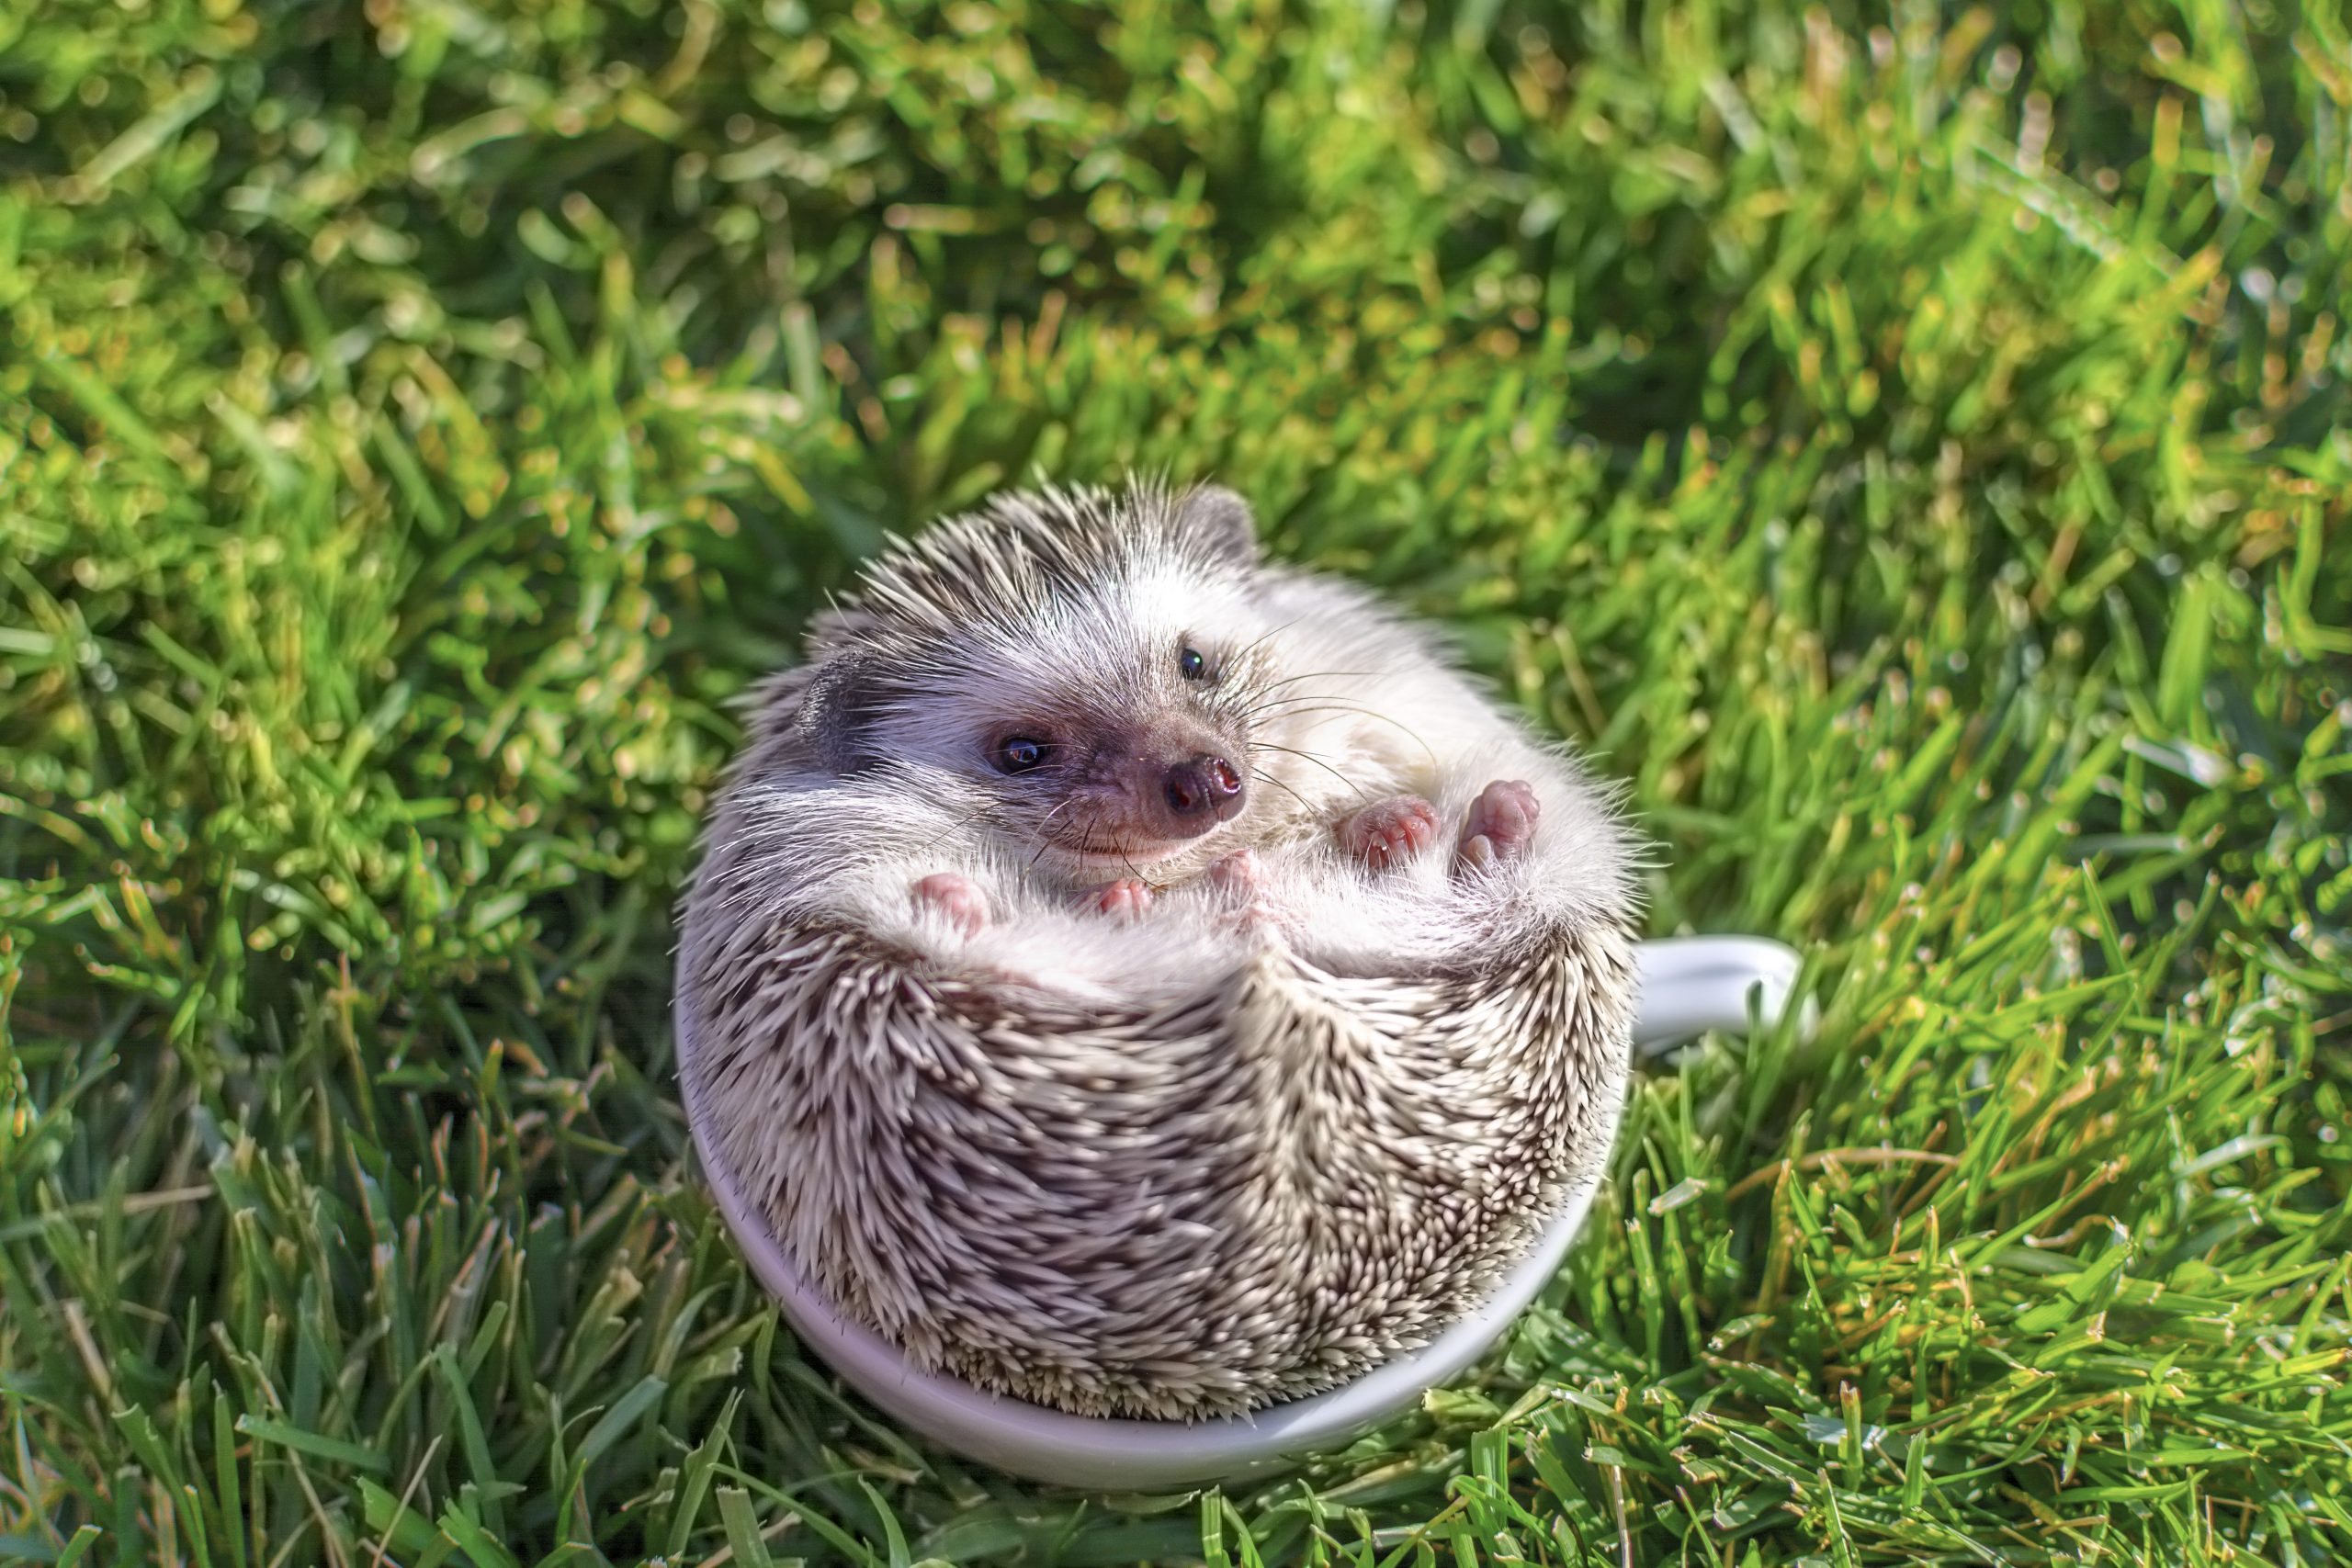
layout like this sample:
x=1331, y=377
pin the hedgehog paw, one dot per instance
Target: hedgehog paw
x=1236, y=873
x=1236, y=880
x=956, y=900
x=1498, y=825
x=1124, y=899
x=1392, y=831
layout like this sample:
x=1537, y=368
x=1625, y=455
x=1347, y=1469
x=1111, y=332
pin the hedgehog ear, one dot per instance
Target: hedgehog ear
x=1222, y=523
x=836, y=714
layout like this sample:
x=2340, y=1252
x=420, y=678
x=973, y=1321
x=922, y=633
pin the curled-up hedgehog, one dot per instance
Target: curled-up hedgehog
x=1142, y=978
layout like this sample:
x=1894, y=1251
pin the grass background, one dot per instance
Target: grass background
x=1909, y=444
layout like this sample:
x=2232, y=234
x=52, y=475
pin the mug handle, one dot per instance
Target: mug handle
x=1694, y=984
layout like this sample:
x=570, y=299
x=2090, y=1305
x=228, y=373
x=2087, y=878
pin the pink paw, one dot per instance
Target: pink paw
x=1238, y=880
x=1392, y=831
x=956, y=900
x=1237, y=872
x=1124, y=899
x=1498, y=824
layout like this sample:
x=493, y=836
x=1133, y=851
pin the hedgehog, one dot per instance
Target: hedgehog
x=1139, y=977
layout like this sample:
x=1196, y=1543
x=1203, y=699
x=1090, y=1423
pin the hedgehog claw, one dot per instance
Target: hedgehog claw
x=956, y=900
x=1389, y=831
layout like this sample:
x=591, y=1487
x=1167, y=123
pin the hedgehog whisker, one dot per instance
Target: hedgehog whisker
x=1269, y=697
x=1320, y=675
x=1299, y=696
x=1266, y=777
x=1315, y=702
x=1067, y=801
x=1049, y=836
x=1254, y=645
x=1272, y=686
x=1326, y=705
x=1267, y=703
x=953, y=829
x=1085, y=845
x=1311, y=757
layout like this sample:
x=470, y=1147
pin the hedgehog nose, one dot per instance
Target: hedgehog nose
x=1205, y=784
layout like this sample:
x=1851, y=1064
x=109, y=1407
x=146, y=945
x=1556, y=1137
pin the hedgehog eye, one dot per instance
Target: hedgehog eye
x=1018, y=754
x=1193, y=664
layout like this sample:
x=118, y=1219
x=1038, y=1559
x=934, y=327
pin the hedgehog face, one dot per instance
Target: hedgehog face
x=1113, y=732
x=1096, y=675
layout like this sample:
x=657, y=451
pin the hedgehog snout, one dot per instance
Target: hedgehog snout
x=1203, y=787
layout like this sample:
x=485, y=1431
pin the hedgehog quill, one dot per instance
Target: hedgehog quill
x=1143, y=978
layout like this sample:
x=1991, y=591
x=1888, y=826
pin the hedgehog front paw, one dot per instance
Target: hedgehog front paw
x=1498, y=825
x=1240, y=888
x=1390, y=830
x=1124, y=899
x=956, y=900
x=1236, y=873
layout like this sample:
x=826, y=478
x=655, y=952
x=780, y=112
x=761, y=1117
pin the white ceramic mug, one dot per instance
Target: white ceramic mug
x=1690, y=985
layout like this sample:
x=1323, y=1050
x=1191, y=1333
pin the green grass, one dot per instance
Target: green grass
x=1911, y=447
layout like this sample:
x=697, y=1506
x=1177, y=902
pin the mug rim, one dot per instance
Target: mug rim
x=1115, y=1451
x=1132, y=1454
